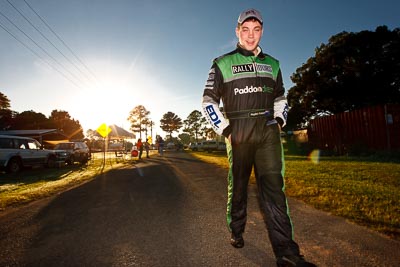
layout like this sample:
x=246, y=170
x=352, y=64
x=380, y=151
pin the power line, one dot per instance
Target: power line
x=62, y=41
x=22, y=15
x=41, y=48
x=40, y=57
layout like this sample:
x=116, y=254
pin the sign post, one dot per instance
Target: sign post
x=104, y=130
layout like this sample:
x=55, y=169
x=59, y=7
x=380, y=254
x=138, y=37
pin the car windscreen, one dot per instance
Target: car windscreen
x=64, y=146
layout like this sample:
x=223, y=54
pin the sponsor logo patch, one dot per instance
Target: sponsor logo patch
x=264, y=68
x=251, y=68
x=213, y=115
x=257, y=114
x=285, y=111
x=248, y=90
x=267, y=89
x=236, y=69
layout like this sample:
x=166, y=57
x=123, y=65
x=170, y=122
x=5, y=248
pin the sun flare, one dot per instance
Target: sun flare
x=117, y=91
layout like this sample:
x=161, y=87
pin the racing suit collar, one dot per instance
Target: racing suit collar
x=248, y=53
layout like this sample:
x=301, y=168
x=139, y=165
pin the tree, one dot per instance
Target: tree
x=6, y=115
x=194, y=124
x=4, y=101
x=138, y=117
x=59, y=119
x=62, y=121
x=170, y=123
x=92, y=134
x=30, y=120
x=352, y=71
x=185, y=138
x=209, y=133
x=148, y=124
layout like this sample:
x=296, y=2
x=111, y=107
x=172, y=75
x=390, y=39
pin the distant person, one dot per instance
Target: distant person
x=249, y=83
x=147, y=147
x=160, y=145
x=139, y=146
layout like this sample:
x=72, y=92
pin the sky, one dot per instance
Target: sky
x=98, y=59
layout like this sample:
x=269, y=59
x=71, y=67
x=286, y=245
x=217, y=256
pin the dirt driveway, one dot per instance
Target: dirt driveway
x=170, y=211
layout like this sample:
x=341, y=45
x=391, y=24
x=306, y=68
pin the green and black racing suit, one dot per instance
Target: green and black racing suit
x=252, y=93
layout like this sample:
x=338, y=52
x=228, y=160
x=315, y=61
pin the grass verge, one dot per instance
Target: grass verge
x=360, y=190
x=30, y=185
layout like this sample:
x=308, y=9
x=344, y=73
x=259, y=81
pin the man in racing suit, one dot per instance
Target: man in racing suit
x=249, y=83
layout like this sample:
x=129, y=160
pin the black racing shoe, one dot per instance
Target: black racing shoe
x=237, y=241
x=294, y=261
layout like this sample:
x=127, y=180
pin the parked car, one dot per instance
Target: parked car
x=195, y=146
x=210, y=145
x=78, y=151
x=171, y=146
x=17, y=152
x=221, y=146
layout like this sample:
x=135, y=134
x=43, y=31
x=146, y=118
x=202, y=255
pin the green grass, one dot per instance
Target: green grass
x=360, y=190
x=29, y=185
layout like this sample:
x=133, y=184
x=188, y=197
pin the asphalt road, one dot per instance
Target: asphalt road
x=170, y=211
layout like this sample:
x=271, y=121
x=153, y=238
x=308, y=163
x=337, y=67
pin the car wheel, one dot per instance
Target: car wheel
x=14, y=165
x=71, y=160
x=84, y=159
x=51, y=162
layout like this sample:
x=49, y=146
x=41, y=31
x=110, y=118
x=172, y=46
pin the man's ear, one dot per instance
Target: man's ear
x=237, y=32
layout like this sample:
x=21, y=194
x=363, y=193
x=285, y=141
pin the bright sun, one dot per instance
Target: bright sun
x=117, y=91
x=108, y=103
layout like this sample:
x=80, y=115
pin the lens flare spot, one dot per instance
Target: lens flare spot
x=314, y=156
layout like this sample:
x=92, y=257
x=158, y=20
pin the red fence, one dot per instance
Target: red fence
x=373, y=128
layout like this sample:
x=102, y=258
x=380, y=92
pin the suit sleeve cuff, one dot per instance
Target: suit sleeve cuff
x=280, y=121
x=227, y=131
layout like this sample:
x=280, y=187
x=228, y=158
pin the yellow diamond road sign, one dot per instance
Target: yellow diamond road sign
x=104, y=130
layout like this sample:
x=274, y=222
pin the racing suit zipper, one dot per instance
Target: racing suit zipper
x=259, y=83
x=256, y=71
x=258, y=78
x=255, y=65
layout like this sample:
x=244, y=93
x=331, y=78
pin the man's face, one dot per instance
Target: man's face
x=249, y=35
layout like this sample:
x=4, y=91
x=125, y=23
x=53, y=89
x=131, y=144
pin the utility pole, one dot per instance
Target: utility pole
x=151, y=129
